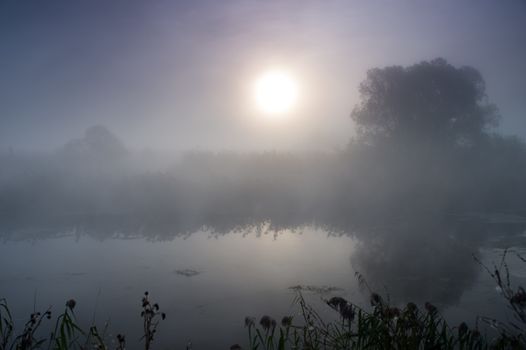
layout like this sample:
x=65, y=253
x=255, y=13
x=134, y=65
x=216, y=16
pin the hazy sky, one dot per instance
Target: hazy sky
x=178, y=75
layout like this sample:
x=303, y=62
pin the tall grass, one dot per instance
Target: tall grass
x=383, y=327
x=512, y=333
x=67, y=333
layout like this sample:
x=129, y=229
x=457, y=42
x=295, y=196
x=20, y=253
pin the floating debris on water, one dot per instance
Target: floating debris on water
x=187, y=272
x=316, y=289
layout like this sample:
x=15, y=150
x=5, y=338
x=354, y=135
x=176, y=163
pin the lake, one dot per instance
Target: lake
x=207, y=282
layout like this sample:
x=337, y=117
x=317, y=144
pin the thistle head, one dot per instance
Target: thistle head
x=249, y=322
x=347, y=312
x=462, y=329
x=70, y=304
x=267, y=322
x=376, y=299
x=431, y=309
x=337, y=303
x=286, y=321
x=411, y=307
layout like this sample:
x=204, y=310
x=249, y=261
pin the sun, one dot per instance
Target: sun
x=276, y=92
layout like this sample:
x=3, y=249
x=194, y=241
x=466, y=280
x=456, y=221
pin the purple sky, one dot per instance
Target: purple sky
x=176, y=75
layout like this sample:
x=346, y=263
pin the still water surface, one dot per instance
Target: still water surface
x=208, y=283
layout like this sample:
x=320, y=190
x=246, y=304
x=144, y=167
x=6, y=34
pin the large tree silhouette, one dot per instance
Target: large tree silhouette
x=429, y=102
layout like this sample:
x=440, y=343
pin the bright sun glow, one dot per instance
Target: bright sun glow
x=276, y=92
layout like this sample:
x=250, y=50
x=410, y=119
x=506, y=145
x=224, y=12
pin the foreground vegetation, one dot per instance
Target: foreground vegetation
x=67, y=334
x=382, y=326
x=389, y=327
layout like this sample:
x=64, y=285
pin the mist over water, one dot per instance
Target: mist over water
x=426, y=187
x=415, y=219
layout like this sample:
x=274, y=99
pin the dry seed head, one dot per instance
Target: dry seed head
x=71, y=304
x=249, y=321
x=266, y=322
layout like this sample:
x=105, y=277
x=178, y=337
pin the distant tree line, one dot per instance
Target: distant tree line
x=426, y=142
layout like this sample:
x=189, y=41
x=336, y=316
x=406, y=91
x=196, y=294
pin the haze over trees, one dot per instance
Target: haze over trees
x=426, y=141
x=426, y=172
x=431, y=129
x=429, y=103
